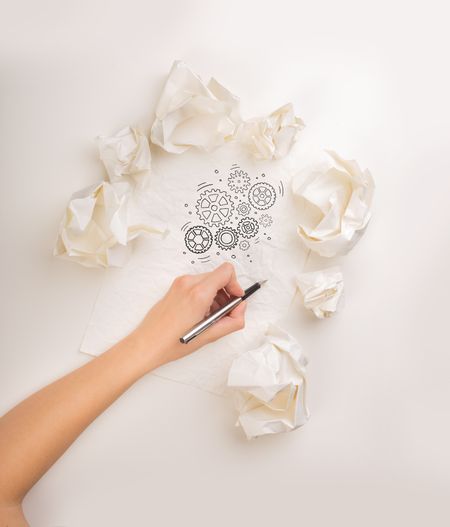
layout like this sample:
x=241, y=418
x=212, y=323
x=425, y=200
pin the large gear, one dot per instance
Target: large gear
x=248, y=227
x=238, y=181
x=262, y=195
x=226, y=238
x=198, y=239
x=214, y=207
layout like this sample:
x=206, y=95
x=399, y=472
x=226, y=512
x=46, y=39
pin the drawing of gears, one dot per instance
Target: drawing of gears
x=265, y=220
x=238, y=181
x=248, y=227
x=244, y=245
x=262, y=195
x=243, y=209
x=226, y=238
x=214, y=207
x=198, y=239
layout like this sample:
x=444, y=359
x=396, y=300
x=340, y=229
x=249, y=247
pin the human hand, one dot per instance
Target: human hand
x=190, y=299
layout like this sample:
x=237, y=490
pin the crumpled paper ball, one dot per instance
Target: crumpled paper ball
x=193, y=114
x=322, y=290
x=125, y=154
x=269, y=384
x=98, y=224
x=336, y=199
x=271, y=137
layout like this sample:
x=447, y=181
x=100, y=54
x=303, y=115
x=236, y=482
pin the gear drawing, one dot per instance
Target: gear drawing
x=198, y=239
x=214, y=207
x=243, y=209
x=226, y=238
x=248, y=227
x=265, y=220
x=244, y=245
x=262, y=195
x=238, y=181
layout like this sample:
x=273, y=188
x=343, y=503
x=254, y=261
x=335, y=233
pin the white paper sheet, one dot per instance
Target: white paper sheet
x=181, y=190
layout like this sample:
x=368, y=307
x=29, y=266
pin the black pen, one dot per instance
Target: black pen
x=217, y=315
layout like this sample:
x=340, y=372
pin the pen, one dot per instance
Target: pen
x=217, y=315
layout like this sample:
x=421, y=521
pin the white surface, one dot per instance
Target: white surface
x=372, y=80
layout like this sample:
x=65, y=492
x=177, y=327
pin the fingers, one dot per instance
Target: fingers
x=234, y=321
x=224, y=277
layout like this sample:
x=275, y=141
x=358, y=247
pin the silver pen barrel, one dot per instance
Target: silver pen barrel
x=209, y=321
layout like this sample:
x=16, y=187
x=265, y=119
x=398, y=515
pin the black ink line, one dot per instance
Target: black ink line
x=204, y=186
x=282, y=188
x=185, y=225
x=200, y=184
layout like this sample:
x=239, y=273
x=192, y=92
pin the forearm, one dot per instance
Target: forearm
x=34, y=434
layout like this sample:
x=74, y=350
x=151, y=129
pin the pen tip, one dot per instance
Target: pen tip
x=262, y=282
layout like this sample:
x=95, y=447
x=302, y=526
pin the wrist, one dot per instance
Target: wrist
x=144, y=349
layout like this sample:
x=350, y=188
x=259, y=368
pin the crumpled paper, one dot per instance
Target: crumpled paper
x=269, y=386
x=322, y=290
x=193, y=114
x=126, y=154
x=99, y=222
x=271, y=137
x=336, y=199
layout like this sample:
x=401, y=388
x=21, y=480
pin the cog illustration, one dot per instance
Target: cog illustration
x=243, y=209
x=262, y=195
x=214, y=207
x=248, y=227
x=198, y=239
x=244, y=245
x=238, y=181
x=226, y=238
x=265, y=220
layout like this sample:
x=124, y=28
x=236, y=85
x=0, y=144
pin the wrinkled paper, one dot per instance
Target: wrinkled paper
x=336, y=200
x=322, y=291
x=193, y=114
x=125, y=154
x=128, y=293
x=100, y=221
x=269, y=386
x=271, y=137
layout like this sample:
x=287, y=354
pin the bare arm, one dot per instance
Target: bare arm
x=35, y=433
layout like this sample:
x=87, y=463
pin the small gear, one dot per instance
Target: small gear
x=248, y=227
x=243, y=208
x=226, y=238
x=265, y=220
x=244, y=245
x=198, y=239
x=238, y=181
x=214, y=207
x=262, y=195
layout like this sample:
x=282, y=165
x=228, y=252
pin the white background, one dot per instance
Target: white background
x=372, y=80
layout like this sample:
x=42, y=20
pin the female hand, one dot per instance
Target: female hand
x=189, y=299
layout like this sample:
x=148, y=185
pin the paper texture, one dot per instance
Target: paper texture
x=271, y=137
x=269, y=385
x=322, y=290
x=254, y=228
x=126, y=154
x=335, y=199
x=100, y=221
x=191, y=113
